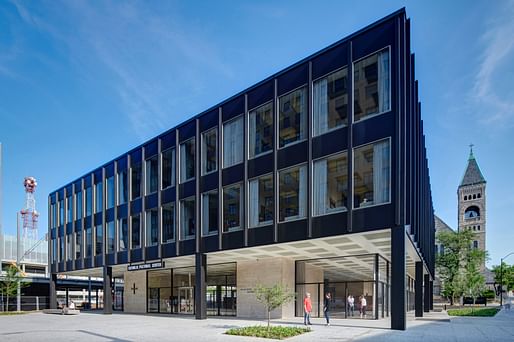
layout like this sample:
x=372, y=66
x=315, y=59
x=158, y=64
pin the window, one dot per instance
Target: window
x=136, y=173
x=136, y=232
x=69, y=207
x=330, y=102
x=292, y=117
x=168, y=168
x=89, y=242
x=54, y=250
x=261, y=130
x=372, y=174
x=465, y=198
x=187, y=218
x=151, y=175
x=69, y=247
x=123, y=234
x=78, y=244
x=89, y=201
x=109, y=201
x=61, y=248
x=99, y=239
x=54, y=214
x=78, y=205
x=479, y=195
x=209, y=151
x=475, y=244
x=472, y=212
x=232, y=206
x=168, y=222
x=152, y=227
x=330, y=183
x=61, y=212
x=372, y=87
x=292, y=193
x=122, y=187
x=110, y=237
x=233, y=142
x=99, y=197
x=210, y=213
x=260, y=201
x=187, y=160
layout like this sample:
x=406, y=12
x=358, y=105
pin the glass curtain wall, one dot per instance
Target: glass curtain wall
x=292, y=193
x=330, y=182
x=187, y=160
x=357, y=291
x=187, y=218
x=168, y=222
x=210, y=213
x=232, y=207
x=151, y=175
x=209, y=151
x=168, y=168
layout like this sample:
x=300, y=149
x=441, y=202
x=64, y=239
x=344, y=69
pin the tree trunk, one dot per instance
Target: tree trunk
x=269, y=317
x=7, y=302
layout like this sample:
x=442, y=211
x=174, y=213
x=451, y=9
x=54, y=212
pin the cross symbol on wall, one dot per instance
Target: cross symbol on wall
x=134, y=288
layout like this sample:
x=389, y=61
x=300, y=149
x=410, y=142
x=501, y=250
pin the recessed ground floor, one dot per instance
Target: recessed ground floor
x=356, y=269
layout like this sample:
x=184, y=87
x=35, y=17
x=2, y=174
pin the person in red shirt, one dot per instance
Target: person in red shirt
x=307, y=308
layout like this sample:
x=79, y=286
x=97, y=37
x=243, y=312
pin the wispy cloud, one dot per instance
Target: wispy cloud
x=146, y=56
x=490, y=92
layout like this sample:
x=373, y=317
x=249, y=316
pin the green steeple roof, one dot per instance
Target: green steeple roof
x=472, y=175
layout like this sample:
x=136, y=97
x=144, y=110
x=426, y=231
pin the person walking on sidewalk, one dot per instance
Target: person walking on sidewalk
x=326, y=307
x=307, y=308
x=351, y=305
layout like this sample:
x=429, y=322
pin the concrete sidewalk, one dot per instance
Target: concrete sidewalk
x=434, y=326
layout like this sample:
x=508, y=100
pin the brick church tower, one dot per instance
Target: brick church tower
x=471, y=194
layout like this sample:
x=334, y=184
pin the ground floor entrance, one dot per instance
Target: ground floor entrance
x=358, y=286
x=172, y=291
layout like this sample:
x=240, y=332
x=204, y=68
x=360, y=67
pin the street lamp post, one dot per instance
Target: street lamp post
x=501, y=277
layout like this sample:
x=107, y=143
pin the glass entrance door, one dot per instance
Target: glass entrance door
x=186, y=302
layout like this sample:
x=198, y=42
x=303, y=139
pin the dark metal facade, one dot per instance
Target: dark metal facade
x=409, y=210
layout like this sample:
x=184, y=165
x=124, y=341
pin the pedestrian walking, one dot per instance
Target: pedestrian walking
x=351, y=305
x=363, y=304
x=307, y=308
x=326, y=307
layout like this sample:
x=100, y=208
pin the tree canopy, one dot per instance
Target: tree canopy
x=459, y=266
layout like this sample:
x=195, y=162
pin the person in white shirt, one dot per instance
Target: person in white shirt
x=351, y=305
x=363, y=304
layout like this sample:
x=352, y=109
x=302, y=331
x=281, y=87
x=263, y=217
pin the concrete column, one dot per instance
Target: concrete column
x=418, y=290
x=426, y=293
x=398, y=276
x=89, y=292
x=53, y=291
x=107, y=290
x=201, y=286
x=67, y=297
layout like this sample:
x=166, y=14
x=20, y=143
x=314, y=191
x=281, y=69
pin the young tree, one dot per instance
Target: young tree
x=459, y=265
x=9, y=284
x=507, y=278
x=474, y=281
x=273, y=297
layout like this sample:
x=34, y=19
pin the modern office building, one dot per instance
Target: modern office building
x=315, y=177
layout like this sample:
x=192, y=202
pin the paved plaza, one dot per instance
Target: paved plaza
x=125, y=327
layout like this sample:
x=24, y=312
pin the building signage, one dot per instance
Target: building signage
x=149, y=266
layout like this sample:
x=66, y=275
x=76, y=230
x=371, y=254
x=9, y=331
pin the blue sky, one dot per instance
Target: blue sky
x=75, y=72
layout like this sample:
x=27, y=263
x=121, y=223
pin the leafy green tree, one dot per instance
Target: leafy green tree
x=459, y=266
x=474, y=281
x=9, y=284
x=508, y=275
x=273, y=297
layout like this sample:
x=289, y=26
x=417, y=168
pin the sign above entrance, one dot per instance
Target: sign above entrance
x=149, y=266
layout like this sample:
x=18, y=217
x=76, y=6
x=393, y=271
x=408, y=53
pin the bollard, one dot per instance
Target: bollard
x=37, y=303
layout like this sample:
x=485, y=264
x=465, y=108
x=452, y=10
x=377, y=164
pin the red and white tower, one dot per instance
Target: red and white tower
x=29, y=214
